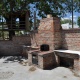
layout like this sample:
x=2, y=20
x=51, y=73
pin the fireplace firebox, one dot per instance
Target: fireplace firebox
x=44, y=47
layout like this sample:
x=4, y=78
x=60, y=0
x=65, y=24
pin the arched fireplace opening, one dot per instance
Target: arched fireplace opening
x=44, y=47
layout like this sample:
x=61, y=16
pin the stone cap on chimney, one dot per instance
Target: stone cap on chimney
x=49, y=15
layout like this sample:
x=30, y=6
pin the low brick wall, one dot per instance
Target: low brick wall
x=71, y=39
x=14, y=47
x=8, y=48
x=22, y=40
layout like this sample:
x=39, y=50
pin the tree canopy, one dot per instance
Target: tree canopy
x=67, y=21
x=43, y=7
x=78, y=21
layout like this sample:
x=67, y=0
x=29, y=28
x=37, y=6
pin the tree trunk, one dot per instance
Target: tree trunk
x=11, y=34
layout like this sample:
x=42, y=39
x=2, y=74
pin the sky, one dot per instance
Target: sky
x=69, y=16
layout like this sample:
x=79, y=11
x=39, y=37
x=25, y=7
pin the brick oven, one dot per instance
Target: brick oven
x=47, y=38
x=42, y=59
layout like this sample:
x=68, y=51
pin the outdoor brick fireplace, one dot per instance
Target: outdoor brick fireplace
x=47, y=38
x=50, y=37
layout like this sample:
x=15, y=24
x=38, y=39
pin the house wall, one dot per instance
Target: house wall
x=14, y=47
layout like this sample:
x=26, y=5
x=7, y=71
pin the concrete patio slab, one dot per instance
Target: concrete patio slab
x=12, y=69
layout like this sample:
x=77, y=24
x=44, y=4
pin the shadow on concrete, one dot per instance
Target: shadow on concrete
x=51, y=67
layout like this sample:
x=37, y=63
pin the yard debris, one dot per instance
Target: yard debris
x=32, y=68
x=24, y=63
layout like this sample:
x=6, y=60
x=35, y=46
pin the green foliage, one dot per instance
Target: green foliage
x=66, y=21
x=53, y=7
x=78, y=21
x=57, y=7
x=43, y=7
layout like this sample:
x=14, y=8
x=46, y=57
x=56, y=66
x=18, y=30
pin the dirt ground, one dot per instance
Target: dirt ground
x=17, y=68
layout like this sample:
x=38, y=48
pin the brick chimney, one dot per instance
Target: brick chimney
x=49, y=32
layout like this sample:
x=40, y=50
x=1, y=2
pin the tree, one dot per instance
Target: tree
x=42, y=7
x=53, y=7
x=78, y=21
x=66, y=21
x=57, y=7
x=9, y=7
